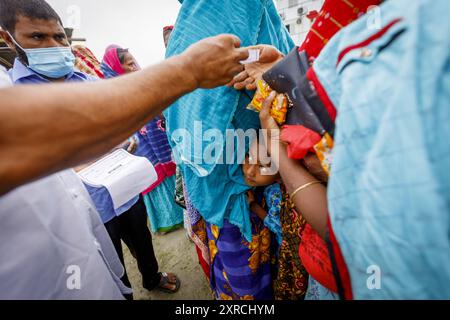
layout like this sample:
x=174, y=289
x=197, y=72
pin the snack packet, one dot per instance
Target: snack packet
x=280, y=104
x=324, y=152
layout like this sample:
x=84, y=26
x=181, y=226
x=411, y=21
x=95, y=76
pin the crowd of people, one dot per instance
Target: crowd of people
x=357, y=206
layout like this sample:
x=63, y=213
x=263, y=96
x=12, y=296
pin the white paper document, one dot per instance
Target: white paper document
x=253, y=56
x=124, y=176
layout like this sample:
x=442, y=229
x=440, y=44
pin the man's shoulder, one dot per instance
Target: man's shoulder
x=83, y=77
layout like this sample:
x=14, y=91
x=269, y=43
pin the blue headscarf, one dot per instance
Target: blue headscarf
x=218, y=190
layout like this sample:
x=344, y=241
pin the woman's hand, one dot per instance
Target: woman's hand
x=132, y=147
x=267, y=122
x=251, y=197
x=312, y=163
x=255, y=207
x=271, y=131
x=269, y=56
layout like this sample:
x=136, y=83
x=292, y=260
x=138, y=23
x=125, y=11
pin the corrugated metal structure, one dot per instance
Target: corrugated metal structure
x=298, y=16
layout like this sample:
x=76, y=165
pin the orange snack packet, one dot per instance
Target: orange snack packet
x=279, y=106
x=324, y=152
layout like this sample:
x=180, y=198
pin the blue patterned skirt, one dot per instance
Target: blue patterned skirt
x=241, y=270
x=164, y=214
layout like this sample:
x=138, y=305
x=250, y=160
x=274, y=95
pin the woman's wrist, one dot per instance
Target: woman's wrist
x=277, y=151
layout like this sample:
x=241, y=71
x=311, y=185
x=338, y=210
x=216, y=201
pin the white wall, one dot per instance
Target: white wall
x=289, y=10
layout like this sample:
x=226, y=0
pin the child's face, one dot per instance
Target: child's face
x=257, y=173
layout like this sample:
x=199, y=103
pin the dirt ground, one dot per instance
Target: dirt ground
x=175, y=253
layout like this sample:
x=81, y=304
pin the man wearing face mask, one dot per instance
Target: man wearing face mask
x=43, y=50
x=36, y=34
x=44, y=55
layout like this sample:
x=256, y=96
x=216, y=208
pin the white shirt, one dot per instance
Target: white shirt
x=53, y=244
x=4, y=78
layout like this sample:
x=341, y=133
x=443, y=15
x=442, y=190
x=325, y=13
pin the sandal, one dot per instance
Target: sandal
x=165, y=281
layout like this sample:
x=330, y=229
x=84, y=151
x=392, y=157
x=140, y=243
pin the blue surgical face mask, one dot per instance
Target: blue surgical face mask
x=54, y=63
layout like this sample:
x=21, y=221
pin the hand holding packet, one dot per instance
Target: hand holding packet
x=280, y=104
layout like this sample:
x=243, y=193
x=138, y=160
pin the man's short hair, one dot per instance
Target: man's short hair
x=10, y=10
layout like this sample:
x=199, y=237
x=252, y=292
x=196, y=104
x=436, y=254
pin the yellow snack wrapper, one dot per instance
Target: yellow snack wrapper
x=324, y=152
x=279, y=106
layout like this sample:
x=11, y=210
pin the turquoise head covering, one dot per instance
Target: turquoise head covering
x=218, y=190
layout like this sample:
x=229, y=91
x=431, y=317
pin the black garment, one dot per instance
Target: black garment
x=131, y=227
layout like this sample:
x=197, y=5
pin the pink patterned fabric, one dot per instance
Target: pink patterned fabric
x=111, y=59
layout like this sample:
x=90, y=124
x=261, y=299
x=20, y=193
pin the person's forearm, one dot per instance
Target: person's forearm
x=312, y=201
x=258, y=210
x=44, y=129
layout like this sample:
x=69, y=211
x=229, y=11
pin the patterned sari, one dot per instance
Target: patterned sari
x=240, y=270
x=196, y=227
x=237, y=269
x=86, y=61
x=292, y=279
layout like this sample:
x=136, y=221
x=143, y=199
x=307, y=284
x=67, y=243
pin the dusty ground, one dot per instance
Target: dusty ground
x=175, y=253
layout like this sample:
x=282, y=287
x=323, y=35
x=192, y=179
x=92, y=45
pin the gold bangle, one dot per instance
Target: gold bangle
x=303, y=188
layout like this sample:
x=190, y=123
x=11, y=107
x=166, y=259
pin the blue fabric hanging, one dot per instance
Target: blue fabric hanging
x=218, y=190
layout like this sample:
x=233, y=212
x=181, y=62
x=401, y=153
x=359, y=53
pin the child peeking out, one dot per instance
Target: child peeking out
x=260, y=175
x=270, y=202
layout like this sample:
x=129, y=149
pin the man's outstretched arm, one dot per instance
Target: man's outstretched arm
x=48, y=128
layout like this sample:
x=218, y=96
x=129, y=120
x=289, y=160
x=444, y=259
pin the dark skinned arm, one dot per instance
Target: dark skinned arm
x=312, y=201
x=48, y=128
